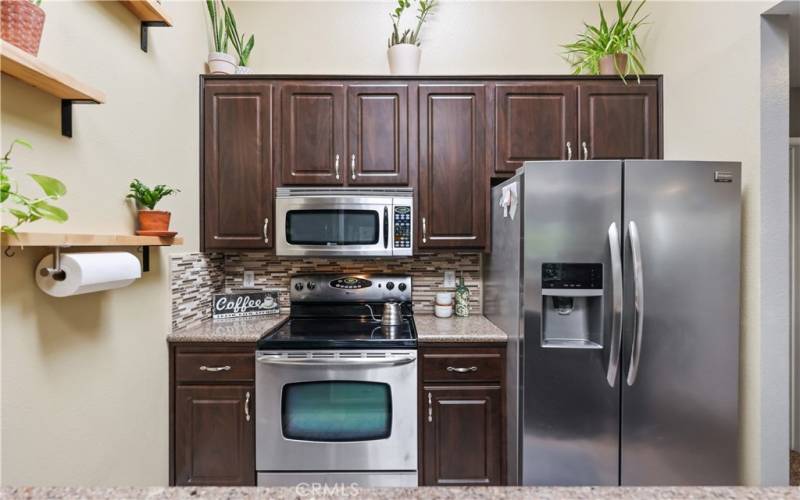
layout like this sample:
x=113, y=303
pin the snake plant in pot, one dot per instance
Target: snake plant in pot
x=242, y=47
x=151, y=222
x=219, y=61
x=610, y=48
x=404, y=48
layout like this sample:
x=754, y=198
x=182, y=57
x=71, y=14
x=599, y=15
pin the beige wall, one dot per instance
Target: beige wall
x=84, y=379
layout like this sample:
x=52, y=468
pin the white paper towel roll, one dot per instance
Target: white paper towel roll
x=89, y=272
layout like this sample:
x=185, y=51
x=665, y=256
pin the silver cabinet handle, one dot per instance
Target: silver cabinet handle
x=336, y=166
x=266, y=228
x=585, y=150
x=247, y=406
x=569, y=150
x=616, y=304
x=353, y=167
x=638, y=301
x=424, y=230
x=430, y=407
x=462, y=370
x=205, y=368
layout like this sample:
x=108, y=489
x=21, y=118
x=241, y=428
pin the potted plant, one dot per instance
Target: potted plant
x=21, y=23
x=241, y=47
x=219, y=61
x=609, y=49
x=27, y=209
x=151, y=222
x=404, y=49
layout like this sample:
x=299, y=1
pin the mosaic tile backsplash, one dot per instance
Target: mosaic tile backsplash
x=196, y=276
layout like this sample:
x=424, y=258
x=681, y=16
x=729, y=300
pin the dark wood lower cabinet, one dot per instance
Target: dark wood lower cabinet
x=462, y=415
x=212, y=414
x=215, y=435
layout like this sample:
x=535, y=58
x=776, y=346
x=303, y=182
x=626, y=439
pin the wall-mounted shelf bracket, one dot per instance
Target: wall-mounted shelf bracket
x=66, y=114
x=145, y=259
x=143, y=31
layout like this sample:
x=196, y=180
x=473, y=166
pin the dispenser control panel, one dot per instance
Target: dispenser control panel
x=577, y=276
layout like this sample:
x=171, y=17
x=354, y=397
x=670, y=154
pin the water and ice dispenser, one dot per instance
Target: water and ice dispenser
x=572, y=306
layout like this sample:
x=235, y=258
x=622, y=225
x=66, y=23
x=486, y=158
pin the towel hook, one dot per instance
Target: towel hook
x=8, y=252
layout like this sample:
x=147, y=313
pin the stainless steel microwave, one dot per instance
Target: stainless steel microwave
x=344, y=222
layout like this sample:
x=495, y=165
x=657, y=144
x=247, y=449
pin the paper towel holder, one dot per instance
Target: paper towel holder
x=55, y=272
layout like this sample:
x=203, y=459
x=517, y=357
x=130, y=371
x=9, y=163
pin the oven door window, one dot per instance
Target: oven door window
x=332, y=227
x=336, y=411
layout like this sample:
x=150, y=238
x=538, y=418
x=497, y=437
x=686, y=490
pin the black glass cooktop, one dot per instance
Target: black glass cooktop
x=338, y=333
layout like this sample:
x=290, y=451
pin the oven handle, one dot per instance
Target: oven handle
x=270, y=360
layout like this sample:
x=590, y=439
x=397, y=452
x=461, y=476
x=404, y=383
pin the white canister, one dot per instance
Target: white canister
x=443, y=311
x=220, y=63
x=404, y=59
x=444, y=299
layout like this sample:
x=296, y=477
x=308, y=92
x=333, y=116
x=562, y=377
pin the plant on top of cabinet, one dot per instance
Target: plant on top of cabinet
x=241, y=47
x=404, y=49
x=609, y=49
x=29, y=209
x=151, y=222
x=21, y=23
x=219, y=61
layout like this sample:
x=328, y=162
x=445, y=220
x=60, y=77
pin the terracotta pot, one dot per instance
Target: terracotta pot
x=404, y=59
x=153, y=220
x=21, y=24
x=608, y=66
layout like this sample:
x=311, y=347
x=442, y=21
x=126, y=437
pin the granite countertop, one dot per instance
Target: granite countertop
x=453, y=493
x=473, y=328
x=228, y=330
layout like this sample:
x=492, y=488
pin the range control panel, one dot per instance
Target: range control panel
x=350, y=288
x=577, y=276
x=402, y=227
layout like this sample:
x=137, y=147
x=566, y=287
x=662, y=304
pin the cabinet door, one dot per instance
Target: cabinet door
x=619, y=121
x=377, y=132
x=534, y=121
x=453, y=182
x=462, y=435
x=215, y=435
x=237, y=165
x=312, y=134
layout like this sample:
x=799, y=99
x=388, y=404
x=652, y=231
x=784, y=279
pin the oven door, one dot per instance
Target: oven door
x=333, y=225
x=336, y=411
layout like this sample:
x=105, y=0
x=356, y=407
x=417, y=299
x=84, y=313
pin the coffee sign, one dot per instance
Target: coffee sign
x=234, y=305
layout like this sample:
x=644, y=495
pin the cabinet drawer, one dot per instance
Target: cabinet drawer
x=215, y=366
x=467, y=367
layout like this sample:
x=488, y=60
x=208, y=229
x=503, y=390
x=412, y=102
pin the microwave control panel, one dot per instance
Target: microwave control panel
x=402, y=227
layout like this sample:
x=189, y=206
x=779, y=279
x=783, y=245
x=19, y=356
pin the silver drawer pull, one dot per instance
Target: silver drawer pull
x=205, y=368
x=462, y=370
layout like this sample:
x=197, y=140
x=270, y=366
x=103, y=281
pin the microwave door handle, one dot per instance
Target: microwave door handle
x=385, y=227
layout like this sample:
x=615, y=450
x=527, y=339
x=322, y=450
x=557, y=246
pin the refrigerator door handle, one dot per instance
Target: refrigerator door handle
x=616, y=290
x=638, y=301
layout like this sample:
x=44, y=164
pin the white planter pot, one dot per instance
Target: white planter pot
x=244, y=70
x=404, y=59
x=220, y=63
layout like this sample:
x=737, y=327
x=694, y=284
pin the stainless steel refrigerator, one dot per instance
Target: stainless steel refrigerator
x=618, y=284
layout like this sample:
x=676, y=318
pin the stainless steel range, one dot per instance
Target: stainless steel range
x=337, y=385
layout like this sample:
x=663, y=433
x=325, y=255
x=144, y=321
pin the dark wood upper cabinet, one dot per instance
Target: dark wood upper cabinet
x=534, y=121
x=312, y=132
x=377, y=132
x=462, y=439
x=214, y=439
x=453, y=180
x=618, y=121
x=237, y=165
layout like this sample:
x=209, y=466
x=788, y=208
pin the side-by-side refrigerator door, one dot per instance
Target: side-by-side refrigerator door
x=680, y=357
x=572, y=322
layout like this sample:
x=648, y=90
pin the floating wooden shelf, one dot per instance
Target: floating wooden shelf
x=29, y=69
x=87, y=240
x=150, y=13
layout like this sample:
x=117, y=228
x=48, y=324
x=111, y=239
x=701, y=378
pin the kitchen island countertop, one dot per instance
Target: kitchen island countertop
x=473, y=492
